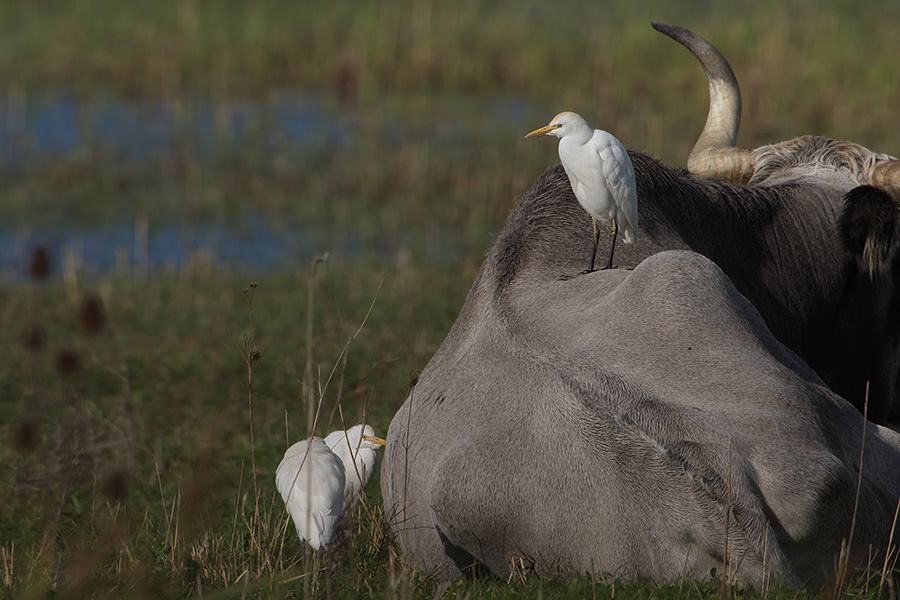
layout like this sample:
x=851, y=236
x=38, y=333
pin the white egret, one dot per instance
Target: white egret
x=356, y=449
x=311, y=480
x=601, y=175
x=319, y=479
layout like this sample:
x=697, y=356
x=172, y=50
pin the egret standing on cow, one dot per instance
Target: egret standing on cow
x=318, y=479
x=601, y=175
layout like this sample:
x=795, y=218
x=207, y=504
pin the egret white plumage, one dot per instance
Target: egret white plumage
x=319, y=479
x=601, y=174
x=311, y=480
x=356, y=449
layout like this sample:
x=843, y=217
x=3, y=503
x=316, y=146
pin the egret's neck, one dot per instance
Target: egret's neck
x=571, y=143
x=579, y=135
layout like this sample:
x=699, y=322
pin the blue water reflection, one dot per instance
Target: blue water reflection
x=126, y=248
x=57, y=125
x=38, y=129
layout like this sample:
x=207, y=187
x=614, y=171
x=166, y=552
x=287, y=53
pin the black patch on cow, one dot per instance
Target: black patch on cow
x=868, y=227
x=469, y=566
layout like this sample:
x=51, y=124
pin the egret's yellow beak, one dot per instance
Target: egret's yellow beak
x=375, y=440
x=542, y=131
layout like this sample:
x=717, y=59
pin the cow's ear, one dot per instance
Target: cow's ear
x=868, y=227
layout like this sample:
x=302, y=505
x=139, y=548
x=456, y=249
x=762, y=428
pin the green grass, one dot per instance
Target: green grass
x=579, y=53
x=132, y=475
x=428, y=155
x=459, y=175
x=134, y=469
x=419, y=46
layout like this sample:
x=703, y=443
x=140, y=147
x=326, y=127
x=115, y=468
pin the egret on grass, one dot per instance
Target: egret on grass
x=311, y=479
x=356, y=448
x=318, y=483
x=601, y=175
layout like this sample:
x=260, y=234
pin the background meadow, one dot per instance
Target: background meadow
x=156, y=159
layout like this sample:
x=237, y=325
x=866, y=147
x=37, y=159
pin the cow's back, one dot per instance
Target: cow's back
x=586, y=424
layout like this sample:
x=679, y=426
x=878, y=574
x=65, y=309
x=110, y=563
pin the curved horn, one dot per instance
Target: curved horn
x=714, y=155
x=886, y=176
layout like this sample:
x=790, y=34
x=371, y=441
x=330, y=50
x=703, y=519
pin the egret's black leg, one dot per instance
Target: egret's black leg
x=612, y=247
x=596, y=242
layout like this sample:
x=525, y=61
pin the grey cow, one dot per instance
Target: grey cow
x=648, y=422
x=811, y=239
x=644, y=423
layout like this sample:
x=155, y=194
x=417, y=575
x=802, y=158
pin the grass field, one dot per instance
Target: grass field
x=132, y=465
